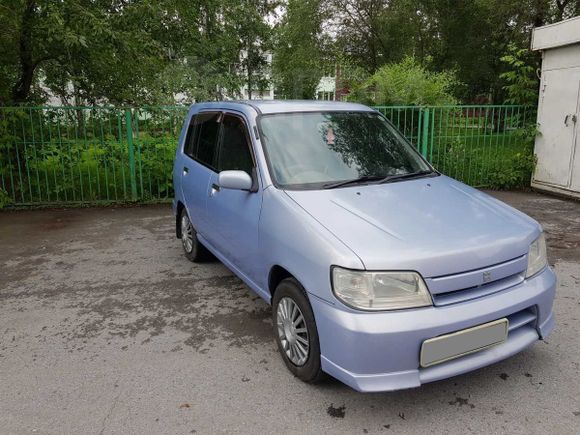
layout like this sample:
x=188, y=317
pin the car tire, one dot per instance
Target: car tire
x=294, y=325
x=194, y=251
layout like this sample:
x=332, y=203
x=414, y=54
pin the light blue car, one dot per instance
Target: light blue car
x=381, y=271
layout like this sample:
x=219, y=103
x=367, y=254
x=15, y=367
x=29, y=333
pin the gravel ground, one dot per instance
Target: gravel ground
x=106, y=328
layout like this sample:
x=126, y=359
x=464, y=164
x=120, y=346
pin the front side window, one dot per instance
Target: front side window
x=235, y=148
x=317, y=149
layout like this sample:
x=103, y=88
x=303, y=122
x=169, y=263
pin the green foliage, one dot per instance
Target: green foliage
x=250, y=26
x=516, y=174
x=84, y=51
x=507, y=165
x=69, y=155
x=407, y=83
x=372, y=33
x=137, y=52
x=96, y=169
x=299, y=52
x=517, y=170
x=5, y=199
x=467, y=37
x=521, y=81
x=131, y=52
x=56, y=155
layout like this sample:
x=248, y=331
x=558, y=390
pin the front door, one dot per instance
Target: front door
x=234, y=214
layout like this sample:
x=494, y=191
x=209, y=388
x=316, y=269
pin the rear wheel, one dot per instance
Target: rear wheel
x=193, y=249
x=295, y=331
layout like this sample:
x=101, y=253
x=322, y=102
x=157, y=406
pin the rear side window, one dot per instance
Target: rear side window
x=235, y=148
x=202, y=137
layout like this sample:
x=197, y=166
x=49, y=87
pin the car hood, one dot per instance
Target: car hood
x=436, y=226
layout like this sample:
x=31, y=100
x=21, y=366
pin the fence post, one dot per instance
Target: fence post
x=132, y=174
x=425, y=131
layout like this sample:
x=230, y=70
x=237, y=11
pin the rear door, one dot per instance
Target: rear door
x=234, y=214
x=199, y=165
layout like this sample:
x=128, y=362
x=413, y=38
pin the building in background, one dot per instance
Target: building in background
x=326, y=89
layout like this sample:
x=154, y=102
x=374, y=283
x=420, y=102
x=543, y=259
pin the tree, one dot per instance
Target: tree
x=149, y=51
x=130, y=51
x=254, y=33
x=206, y=61
x=374, y=32
x=299, y=58
x=468, y=37
x=86, y=48
x=521, y=80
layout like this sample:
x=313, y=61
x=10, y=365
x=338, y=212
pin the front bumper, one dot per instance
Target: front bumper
x=380, y=351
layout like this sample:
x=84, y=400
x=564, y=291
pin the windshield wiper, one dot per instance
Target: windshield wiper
x=380, y=178
x=397, y=177
x=358, y=180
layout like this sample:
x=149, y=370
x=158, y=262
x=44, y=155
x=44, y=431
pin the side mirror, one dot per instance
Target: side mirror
x=237, y=180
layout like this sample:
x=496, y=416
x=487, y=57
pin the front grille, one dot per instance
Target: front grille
x=470, y=293
x=473, y=284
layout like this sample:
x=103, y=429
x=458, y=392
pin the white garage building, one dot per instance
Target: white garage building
x=558, y=144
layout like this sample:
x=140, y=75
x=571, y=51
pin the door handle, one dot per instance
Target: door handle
x=215, y=187
x=185, y=169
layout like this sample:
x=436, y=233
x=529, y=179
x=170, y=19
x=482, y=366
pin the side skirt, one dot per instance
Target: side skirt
x=259, y=291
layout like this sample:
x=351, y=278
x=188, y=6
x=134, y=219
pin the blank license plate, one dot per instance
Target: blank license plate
x=446, y=347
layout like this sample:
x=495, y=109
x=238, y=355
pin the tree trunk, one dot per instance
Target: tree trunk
x=249, y=68
x=540, y=12
x=561, y=5
x=21, y=90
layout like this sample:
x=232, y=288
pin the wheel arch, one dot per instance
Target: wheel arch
x=276, y=275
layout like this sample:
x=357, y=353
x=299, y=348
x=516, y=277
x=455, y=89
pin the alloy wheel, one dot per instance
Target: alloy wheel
x=292, y=331
x=186, y=233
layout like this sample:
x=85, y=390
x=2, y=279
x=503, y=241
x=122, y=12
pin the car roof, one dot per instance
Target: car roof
x=285, y=106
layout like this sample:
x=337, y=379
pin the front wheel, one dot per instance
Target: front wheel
x=295, y=331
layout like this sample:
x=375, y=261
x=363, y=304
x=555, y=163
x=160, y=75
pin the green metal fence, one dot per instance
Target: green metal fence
x=87, y=154
x=471, y=143
x=66, y=155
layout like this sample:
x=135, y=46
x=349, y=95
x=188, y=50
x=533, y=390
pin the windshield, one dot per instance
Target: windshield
x=317, y=149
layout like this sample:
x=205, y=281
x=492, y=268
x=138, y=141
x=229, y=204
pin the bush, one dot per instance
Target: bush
x=407, y=83
x=4, y=199
x=504, y=166
x=517, y=172
x=63, y=155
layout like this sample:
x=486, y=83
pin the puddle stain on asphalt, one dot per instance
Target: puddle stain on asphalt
x=336, y=412
x=460, y=402
x=195, y=311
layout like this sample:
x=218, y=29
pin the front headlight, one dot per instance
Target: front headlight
x=380, y=290
x=537, y=257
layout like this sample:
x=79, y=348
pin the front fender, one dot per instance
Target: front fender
x=291, y=238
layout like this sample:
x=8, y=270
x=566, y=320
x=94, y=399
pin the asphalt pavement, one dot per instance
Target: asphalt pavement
x=106, y=328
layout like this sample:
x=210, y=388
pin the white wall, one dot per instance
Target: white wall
x=557, y=145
